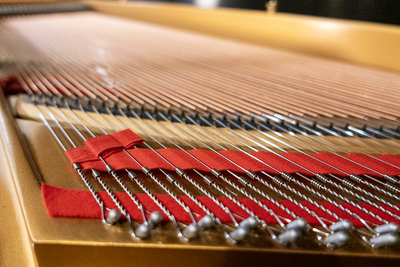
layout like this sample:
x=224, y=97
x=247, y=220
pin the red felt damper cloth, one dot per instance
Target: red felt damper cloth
x=79, y=203
x=268, y=162
x=11, y=86
x=109, y=143
x=103, y=145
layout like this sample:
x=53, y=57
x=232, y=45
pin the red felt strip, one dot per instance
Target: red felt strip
x=279, y=163
x=127, y=138
x=179, y=158
x=376, y=164
x=81, y=154
x=11, y=86
x=58, y=201
x=311, y=163
x=151, y=160
x=110, y=148
x=119, y=160
x=395, y=160
x=110, y=143
x=213, y=160
x=248, y=162
x=103, y=143
x=79, y=203
x=343, y=164
x=214, y=208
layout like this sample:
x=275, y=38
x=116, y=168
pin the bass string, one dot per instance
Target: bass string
x=203, y=76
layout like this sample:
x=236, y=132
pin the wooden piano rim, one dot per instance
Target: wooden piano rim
x=379, y=50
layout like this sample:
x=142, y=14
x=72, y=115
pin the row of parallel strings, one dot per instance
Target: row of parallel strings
x=93, y=58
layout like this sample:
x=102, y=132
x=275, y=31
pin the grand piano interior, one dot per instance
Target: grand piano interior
x=310, y=104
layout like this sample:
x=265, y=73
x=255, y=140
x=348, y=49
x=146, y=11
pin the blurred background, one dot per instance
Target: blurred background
x=383, y=11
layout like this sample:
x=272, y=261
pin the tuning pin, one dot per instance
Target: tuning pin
x=143, y=231
x=289, y=237
x=239, y=234
x=191, y=231
x=249, y=224
x=206, y=222
x=384, y=240
x=337, y=239
x=392, y=228
x=299, y=224
x=113, y=216
x=342, y=225
x=155, y=219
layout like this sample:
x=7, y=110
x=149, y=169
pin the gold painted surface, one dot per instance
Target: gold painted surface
x=376, y=45
x=15, y=249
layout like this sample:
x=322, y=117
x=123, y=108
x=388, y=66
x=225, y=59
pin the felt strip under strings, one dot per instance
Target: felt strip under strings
x=62, y=202
x=108, y=143
x=58, y=201
x=120, y=160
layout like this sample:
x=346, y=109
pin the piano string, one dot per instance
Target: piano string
x=90, y=75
